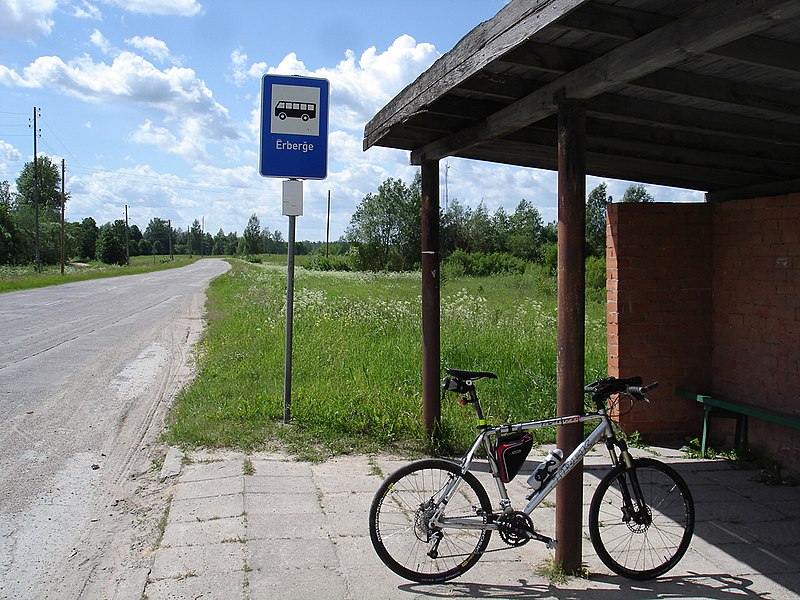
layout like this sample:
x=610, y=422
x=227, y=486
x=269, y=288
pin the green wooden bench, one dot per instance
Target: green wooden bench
x=719, y=407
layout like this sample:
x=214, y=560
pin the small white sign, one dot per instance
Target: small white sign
x=293, y=198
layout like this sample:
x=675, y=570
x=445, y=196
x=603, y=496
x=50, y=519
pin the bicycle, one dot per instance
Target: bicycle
x=431, y=521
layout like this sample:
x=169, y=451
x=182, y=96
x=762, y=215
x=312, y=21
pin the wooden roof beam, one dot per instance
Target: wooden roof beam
x=703, y=121
x=628, y=24
x=763, y=52
x=512, y=26
x=732, y=93
x=619, y=166
x=710, y=25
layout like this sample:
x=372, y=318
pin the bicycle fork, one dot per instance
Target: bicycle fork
x=634, y=507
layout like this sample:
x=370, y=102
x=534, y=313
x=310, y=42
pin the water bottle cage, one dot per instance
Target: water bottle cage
x=544, y=471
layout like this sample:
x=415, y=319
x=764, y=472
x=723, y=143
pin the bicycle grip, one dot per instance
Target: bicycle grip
x=641, y=390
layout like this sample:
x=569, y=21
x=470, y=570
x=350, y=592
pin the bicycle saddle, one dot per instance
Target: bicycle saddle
x=473, y=375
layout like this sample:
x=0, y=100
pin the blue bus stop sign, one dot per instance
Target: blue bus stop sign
x=294, y=127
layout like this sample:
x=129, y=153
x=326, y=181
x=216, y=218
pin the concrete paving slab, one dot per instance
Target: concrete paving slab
x=204, y=509
x=298, y=530
x=298, y=584
x=214, y=531
x=274, y=466
x=185, y=562
x=225, y=586
x=265, y=484
x=274, y=526
x=173, y=462
x=281, y=504
x=210, y=488
x=286, y=555
x=213, y=467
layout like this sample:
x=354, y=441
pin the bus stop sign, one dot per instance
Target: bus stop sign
x=294, y=127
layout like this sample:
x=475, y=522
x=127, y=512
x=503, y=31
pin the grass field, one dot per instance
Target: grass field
x=25, y=277
x=357, y=348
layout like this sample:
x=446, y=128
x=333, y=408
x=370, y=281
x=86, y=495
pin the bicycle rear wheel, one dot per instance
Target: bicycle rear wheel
x=399, y=522
x=641, y=542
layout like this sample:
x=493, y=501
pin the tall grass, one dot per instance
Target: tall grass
x=357, y=352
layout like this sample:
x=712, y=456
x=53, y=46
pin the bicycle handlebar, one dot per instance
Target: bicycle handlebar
x=632, y=386
x=641, y=390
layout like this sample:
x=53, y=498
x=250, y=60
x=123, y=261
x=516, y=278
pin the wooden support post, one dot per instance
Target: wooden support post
x=571, y=312
x=430, y=295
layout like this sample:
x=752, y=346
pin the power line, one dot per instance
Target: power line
x=55, y=135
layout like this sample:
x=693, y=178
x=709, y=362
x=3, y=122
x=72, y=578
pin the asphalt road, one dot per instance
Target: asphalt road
x=87, y=371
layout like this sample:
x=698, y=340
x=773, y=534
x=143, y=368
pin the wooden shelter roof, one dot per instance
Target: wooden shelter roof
x=698, y=95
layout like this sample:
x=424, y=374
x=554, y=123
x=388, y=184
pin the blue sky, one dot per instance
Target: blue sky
x=156, y=104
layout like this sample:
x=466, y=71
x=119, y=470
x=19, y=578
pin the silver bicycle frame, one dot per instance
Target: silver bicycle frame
x=602, y=431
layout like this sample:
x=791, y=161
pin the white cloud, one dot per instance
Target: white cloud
x=359, y=86
x=99, y=40
x=154, y=47
x=183, y=8
x=8, y=152
x=26, y=19
x=188, y=144
x=187, y=105
x=238, y=66
x=86, y=11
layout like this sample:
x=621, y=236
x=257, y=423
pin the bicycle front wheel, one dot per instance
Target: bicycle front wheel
x=400, y=528
x=641, y=541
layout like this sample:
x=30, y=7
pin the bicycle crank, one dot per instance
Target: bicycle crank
x=516, y=529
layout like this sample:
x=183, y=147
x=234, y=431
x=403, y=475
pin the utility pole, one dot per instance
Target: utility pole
x=63, y=204
x=202, y=236
x=328, y=230
x=169, y=238
x=127, y=239
x=36, y=190
x=446, y=193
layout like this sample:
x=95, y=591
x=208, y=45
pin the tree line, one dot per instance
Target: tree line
x=384, y=232
x=38, y=189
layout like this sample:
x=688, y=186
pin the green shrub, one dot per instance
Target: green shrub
x=595, y=273
x=479, y=264
x=333, y=262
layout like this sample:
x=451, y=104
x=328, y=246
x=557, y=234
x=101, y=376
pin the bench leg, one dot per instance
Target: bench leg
x=706, y=419
x=741, y=431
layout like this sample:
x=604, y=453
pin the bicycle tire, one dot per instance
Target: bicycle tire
x=397, y=526
x=648, y=547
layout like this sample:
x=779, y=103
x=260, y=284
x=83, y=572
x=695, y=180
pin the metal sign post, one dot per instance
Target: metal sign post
x=292, y=207
x=294, y=145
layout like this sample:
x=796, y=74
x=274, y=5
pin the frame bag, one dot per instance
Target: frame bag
x=512, y=450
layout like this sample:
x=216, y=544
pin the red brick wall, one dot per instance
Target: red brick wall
x=757, y=314
x=707, y=297
x=659, y=263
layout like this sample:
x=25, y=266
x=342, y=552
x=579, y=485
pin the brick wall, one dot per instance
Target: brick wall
x=757, y=314
x=659, y=263
x=707, y=297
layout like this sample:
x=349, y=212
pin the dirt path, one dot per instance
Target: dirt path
x=87, y=372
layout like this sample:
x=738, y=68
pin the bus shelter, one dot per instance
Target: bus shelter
x=696, y=95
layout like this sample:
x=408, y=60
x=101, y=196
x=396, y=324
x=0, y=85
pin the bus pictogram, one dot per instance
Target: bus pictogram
x=295, y=110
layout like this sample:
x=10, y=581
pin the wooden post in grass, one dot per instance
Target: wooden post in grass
x=430, y=295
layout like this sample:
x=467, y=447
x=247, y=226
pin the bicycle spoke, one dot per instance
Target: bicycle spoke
x=641, y=541
x=400, y=522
